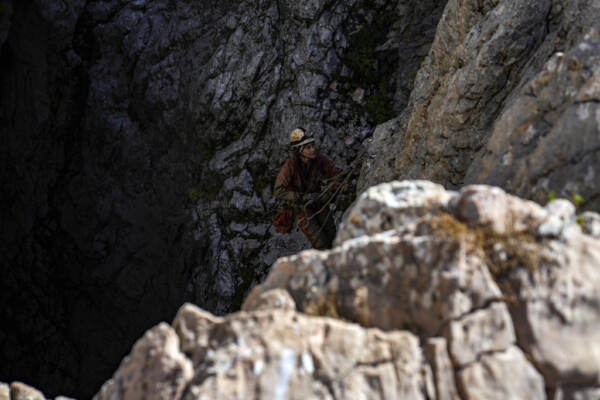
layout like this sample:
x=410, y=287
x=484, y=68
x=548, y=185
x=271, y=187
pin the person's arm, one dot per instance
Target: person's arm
x=283, y=186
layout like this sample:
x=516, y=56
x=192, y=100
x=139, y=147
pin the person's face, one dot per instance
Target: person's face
x=309, y=150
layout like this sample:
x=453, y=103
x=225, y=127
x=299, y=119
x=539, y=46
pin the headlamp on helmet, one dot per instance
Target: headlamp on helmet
x=300, y=137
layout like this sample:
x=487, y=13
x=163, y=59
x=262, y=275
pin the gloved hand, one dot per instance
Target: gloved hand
x=310, y=198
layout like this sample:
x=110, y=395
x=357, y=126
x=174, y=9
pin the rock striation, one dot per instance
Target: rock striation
x=506, y=96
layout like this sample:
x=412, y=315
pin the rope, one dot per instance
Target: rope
x=346, y=173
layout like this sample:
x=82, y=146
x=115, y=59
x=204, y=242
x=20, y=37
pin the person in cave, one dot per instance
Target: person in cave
x=298, y=185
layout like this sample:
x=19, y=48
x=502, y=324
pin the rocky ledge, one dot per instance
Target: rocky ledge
x=427, y=294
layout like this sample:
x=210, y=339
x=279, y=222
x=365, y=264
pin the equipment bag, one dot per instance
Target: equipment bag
x=283, y=220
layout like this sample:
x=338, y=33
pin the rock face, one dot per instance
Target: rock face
x=509, y=289
x=276, y=354
x=508, y=95
x=141, y=141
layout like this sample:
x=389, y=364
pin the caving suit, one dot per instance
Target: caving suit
x=297, y=178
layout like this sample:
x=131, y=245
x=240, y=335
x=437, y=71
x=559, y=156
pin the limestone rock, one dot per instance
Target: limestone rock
x=502, y=376
x=276, y=298
x=543, y=156
x=392, y=205
x=275, y=354
x=591, y=223
x=155, y=369
x=476, y=267
x=482, y=331
x=4, y=391
x=21, y=391
x=497, y=100
x=443, y=371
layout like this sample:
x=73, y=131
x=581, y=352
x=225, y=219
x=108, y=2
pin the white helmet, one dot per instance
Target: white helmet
x=299, y=138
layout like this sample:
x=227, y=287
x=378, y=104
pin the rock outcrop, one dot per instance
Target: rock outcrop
x=274, y=354
x=508, y=95
x=21, y=391
x=508, y=288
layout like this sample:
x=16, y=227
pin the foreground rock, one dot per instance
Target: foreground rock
x=274, y=354
x=510, y=286
x=21, y=391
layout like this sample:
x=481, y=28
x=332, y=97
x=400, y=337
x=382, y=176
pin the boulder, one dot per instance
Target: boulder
x=155, y=369
x=479, y=267
x=276, y=354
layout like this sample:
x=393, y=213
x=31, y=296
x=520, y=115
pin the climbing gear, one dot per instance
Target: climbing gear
x=342, y=178
x=299, y=137
x=310, y=198
x=309, y=204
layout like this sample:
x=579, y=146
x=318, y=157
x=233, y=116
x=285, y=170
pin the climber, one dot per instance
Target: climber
x=298, y=186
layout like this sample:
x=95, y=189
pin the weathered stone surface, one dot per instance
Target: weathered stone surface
x=478, y=267
x=482, y=331
x=21, y=391
x=443, y=371
x=397, y=205
x=4, y=391
x=504, y=375
x=277, y=354
x=531, y=150
x=155, y=369
x=591, y=224
x=276, y=298
x=506, y=96
x=282, y=354
x=578, y=394
x=386, y=281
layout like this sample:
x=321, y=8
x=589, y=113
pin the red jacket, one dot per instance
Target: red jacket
x=290, y=184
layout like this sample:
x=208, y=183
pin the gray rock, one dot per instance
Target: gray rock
x=155, y=369
x=276, y=298
x=437, y=355
x=470, y=266
x=141, y=137
x=578, y=394
x=21, y=391
x=495, y=101
x=483, y=331
x=561, y=213
x=4, y=391
x=591, y=224
x=520, y=380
